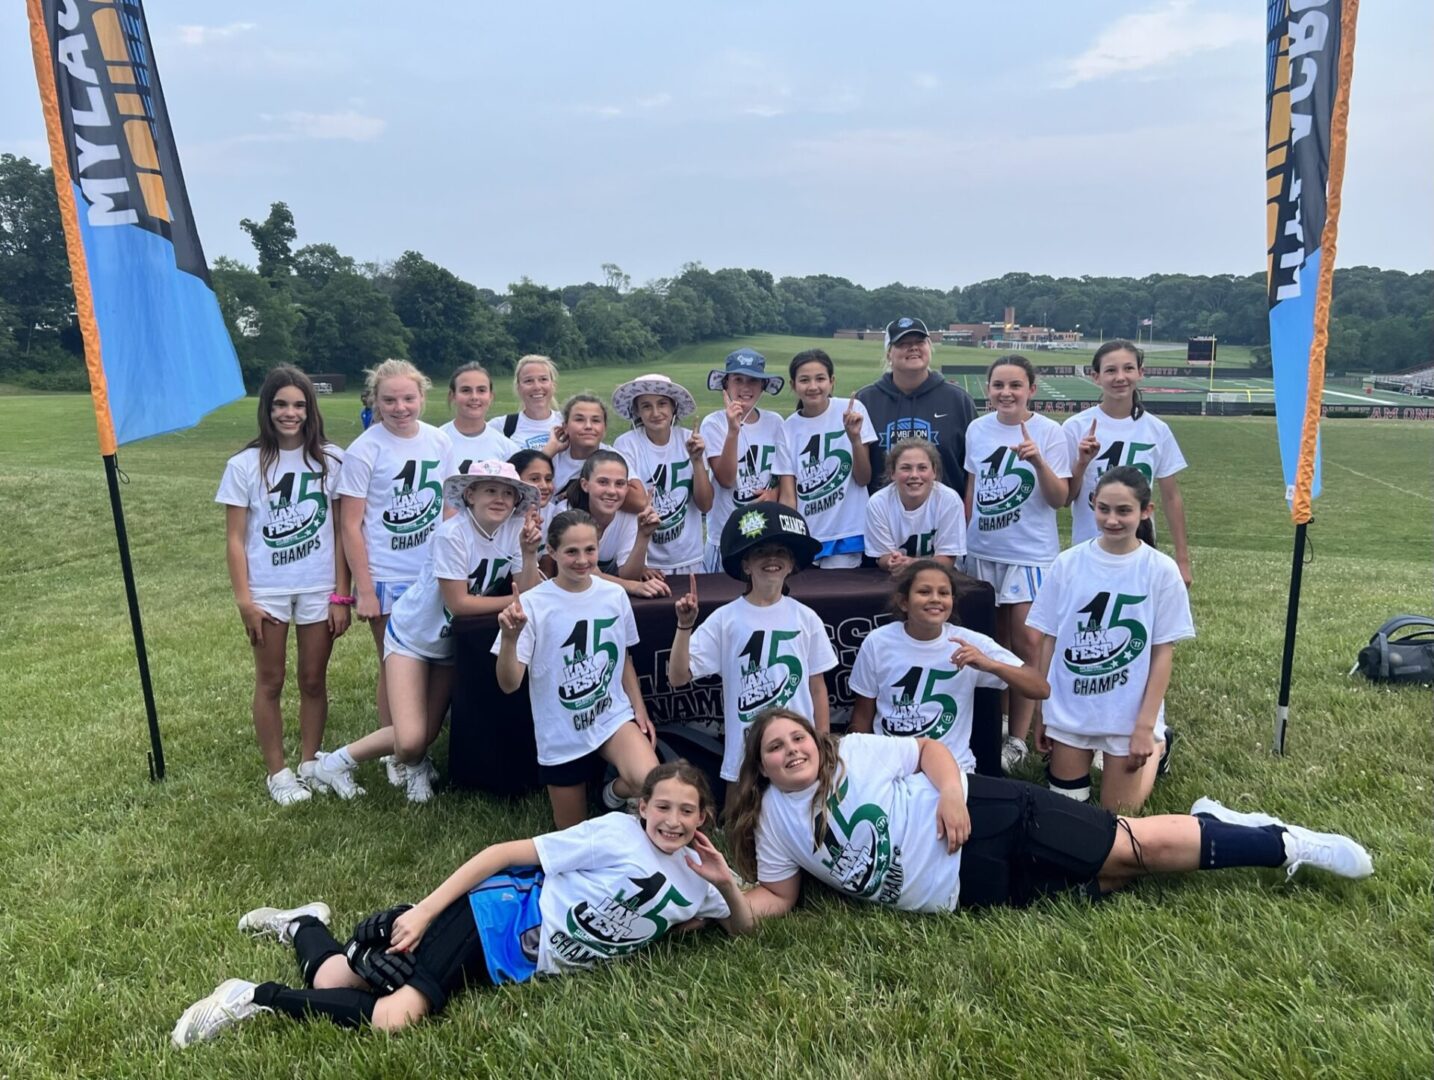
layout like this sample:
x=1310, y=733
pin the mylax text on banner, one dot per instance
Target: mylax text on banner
x=158, y=353
x=1306, y=78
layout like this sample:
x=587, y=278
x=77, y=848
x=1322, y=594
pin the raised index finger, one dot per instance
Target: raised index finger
x=692, y=585
x=1024, y=433
x=1092, y=427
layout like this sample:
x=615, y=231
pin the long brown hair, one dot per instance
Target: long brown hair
x=267, y=441
x=1137, y=404
x=744, y=802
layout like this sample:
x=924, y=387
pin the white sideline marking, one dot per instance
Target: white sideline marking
x=1377, y=480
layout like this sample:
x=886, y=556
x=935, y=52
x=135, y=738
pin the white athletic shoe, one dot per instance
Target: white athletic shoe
x=272, y=920
x=1013, y=752
x=418, y=780
x=1303, y=847
x=611, y=800
x=334, y=777
x=311, y=781
x=396, y=770
x=231, y=1002
x=285, y=789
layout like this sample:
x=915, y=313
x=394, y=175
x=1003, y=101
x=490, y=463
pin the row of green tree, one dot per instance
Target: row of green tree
x=317, y=307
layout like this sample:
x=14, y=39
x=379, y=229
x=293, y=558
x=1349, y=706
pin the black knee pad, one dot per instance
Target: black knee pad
x=384, y=971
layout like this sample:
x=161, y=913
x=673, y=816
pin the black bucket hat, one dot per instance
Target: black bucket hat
x=766, y=523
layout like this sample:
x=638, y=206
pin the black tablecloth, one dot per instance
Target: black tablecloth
x=491, y=745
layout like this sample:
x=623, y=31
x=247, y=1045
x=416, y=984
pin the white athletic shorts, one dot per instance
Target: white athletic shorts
x=712, y=559
x=1014, y=584
x=698, y=567
x=850, y=561
x=301, y=609
x=388, y=593
x=393, y=644
x=1114, y=745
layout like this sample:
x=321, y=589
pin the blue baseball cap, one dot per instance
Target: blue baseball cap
x=748, y=362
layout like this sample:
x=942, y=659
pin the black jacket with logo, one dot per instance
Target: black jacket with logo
x=936, y=411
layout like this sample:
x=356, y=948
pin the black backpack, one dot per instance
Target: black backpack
x=1410, y=658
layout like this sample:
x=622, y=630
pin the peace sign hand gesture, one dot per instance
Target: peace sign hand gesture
x=851, y=420
x=1087, y=448
x=513, y=618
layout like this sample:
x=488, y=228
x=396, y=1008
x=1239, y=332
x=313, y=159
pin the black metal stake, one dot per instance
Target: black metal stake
x=156, y=748
x=1292, y=616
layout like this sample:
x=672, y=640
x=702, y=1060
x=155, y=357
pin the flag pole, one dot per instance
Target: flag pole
x=90, y=334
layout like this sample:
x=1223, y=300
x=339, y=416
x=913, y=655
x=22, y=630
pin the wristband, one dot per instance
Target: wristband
x=339, y=598
x=689, y=629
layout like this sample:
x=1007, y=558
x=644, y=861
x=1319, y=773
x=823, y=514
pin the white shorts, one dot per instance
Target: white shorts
x=388, y=593
x=699, y=567
x=395, y=645
x=712, y=559
x=1114, y=745
x=301, y=609
x=849, y=561
x=1014, y=584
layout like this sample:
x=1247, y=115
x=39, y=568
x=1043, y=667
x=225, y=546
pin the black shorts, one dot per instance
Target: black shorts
x=1028, y=842
x=584, y=770
x=450, y=956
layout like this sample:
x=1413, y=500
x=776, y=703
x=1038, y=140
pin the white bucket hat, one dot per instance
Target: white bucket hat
x=624, y=398
x=500, y=471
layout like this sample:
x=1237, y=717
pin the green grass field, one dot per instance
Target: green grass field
x=122, y=895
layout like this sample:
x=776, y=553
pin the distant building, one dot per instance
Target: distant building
x=1009, y=333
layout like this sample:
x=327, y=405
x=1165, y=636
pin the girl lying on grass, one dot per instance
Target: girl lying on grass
x=895, y=822
x=550, y=905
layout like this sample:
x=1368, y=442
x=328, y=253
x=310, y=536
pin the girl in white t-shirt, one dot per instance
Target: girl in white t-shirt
x=474, y=438
x=896, y=822
x=769, y=649
x=535, y=384
x=476, y=560
x=392, y=501
x=600, y=489
x=1111, y=611
x=670, y=463
x=915, y=516
x=286, y=563
x=918, y=676
x=1017, y=474
x=830, y=451
x=1119, y=431
x=551, y=905
x=571, y=636
x=536, y=468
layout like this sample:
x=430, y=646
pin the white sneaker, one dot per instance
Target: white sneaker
x=1220, y=812
x=310, y=781
x=418, y=780
x=285, y=789
x=231, y=1002
x=397, y=771
x=334, y=777
x=272, y=920
x=613, y=801
x=1013, y=752
x=1329, y=851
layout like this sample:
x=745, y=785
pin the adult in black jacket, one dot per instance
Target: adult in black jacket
x=912, y=401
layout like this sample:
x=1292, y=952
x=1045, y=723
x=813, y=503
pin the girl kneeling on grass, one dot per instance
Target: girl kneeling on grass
x=286, y=563
x=918, y=676
x=570, y=636
x=895, y=822
x=1016, y=475
x=553, y=905
x=491, y=541
x=915, y=516
x=769, y=649
x=1111, y=611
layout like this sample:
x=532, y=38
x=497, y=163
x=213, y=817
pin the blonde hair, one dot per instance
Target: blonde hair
x=395, y=369
x=528, y=361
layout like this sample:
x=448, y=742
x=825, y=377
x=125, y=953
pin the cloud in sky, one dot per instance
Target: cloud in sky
x=204, y=35
x=349, y=125
x=1144, y=40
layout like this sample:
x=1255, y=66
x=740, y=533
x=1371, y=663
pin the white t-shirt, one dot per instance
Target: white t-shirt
x=490, y=445
x=402, y=481
x=1105, y=612
x=667, y=474
x=820, y=454
x=609, y=891
x=766, y=657
x=289, y=531
x=575, y=646
x=1011, y=521
x=936, y=527
x=1146, y=443
x=761, y=458
x=565, y=468
x=458, y=552
x=528, y=433
x=918, y=690
x=616, y=541
x=880, y=842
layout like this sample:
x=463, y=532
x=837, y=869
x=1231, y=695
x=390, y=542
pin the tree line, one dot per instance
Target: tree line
x=314, y=306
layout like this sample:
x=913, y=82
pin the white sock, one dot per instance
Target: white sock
x=339, y=759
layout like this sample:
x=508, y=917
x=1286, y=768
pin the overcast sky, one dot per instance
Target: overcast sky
x=932, y=143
